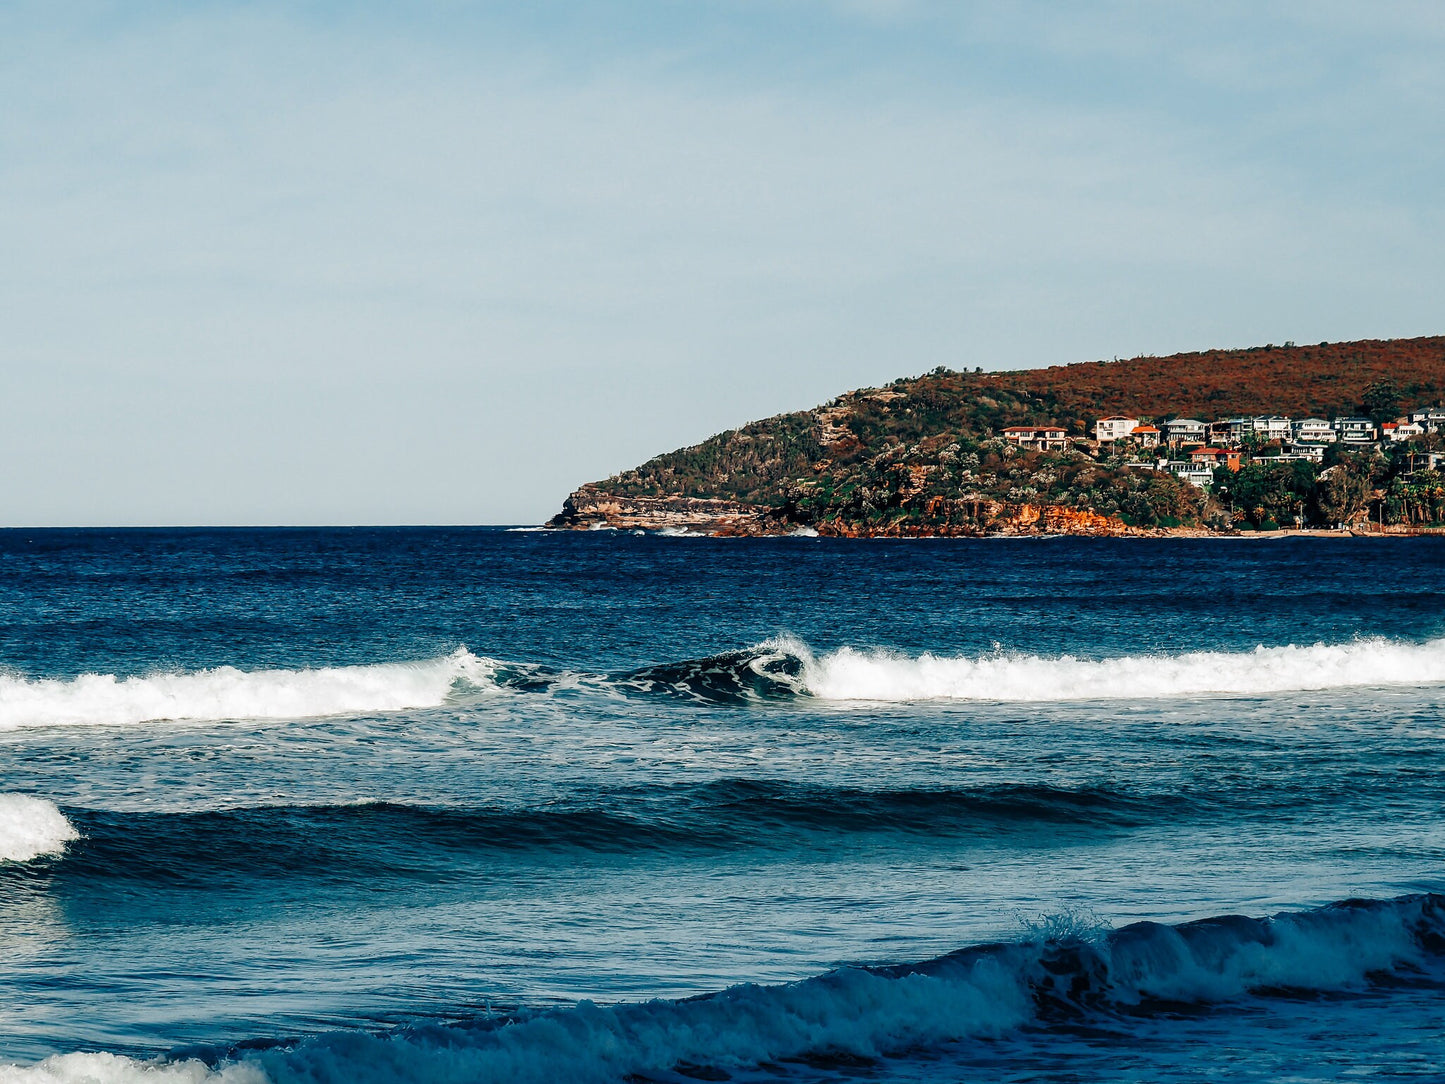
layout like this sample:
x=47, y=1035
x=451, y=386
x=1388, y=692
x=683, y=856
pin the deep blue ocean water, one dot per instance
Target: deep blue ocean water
x=474, y=805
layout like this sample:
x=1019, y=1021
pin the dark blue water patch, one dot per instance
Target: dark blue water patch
x=126, y=602
x=365, y=841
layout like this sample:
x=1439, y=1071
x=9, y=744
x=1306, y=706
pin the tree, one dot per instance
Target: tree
x=1382, y=400
x=1273, y=491
x=1344, y=491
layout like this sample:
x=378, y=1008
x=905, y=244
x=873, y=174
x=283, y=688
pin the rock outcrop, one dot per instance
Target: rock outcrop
x=592, y=508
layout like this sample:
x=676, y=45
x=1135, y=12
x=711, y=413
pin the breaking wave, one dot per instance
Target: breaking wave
x=849, y=674
x=31, y=828
x=781, y=669
x=228, y=693
x=1058, y=975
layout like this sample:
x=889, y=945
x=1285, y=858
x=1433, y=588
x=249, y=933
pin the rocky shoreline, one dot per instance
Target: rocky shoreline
x=591, y=508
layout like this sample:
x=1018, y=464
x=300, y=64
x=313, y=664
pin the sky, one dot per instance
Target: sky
x=443, y=262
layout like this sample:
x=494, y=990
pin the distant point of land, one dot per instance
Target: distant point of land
x=1338, y=435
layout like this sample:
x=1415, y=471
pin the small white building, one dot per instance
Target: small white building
x=1315, y=453
x=1108, y=430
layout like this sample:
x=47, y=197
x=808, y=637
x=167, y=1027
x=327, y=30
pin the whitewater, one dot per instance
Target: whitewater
x=864, y=1013
x=791, y=666
x=1115, y=810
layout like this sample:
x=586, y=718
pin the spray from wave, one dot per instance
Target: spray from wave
x=31, y=828
x=1060, y=975
x=228, y=693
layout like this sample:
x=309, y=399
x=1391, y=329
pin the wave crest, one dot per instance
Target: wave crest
x=31, y=828
x=851, y=674
x=853, y=1012
x=779, y=669
x=228, y=693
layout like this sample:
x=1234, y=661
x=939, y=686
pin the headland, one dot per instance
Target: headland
x=1341, y=437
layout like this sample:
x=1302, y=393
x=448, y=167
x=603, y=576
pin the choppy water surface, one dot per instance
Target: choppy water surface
x=471, y=805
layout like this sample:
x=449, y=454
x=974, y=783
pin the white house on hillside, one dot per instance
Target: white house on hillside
x=1108, y=430
x=1271, y=427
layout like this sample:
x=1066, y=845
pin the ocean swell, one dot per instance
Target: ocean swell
x=377, y=839
x=857, y=1013
x=228, y=693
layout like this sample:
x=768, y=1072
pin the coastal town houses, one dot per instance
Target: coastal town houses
x=1109, y=430
x=1193, y=450
x=1042, y=438
x=1272, y=435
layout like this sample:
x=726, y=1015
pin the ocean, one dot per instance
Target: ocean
x=467, y=805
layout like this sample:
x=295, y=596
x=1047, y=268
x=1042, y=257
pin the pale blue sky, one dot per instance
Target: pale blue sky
x=376, y=263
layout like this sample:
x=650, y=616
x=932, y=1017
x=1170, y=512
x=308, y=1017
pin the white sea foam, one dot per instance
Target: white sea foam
x=850, y=674
x=32, y=827
x=852, y=1012
x=229, y=693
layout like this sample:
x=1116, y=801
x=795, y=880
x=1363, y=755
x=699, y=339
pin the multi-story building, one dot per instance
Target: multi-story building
x=1271, y=427
x=1355, y=430
x=1043, y=438
x=1215, y=457
x=1232, y=431
x=1178, y=431
x=1108, y=430
x=1313, y=431
x=1432, y=418
x=1183, y=469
